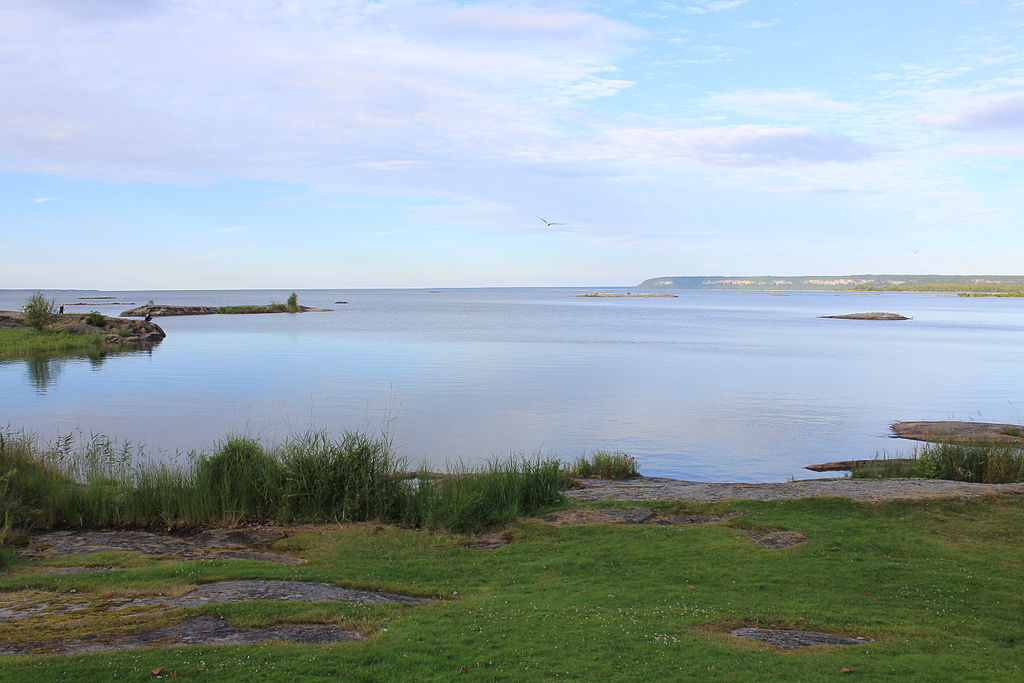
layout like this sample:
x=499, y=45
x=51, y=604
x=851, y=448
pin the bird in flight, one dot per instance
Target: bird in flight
x=548, y=223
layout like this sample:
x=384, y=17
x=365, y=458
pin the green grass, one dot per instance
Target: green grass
x=256, y=308
x=985, y=463
x=21, y=342
x=603, y=465
x=313, y=478
x=936, y=584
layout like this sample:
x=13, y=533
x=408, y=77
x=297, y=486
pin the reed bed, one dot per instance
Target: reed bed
x=315, y=477
x=982, y=463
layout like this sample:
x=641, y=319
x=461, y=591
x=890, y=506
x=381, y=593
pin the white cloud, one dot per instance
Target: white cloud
x=294, y=90
x=230, y=230
x=43, y=200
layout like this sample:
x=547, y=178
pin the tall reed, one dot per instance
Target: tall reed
x=314, y=477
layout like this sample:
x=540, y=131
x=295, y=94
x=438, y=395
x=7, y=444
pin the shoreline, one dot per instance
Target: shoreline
x=867, y=490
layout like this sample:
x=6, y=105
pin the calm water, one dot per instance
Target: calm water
x=715, y=386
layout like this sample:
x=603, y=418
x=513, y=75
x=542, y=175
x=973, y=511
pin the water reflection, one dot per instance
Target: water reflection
x=44, y=369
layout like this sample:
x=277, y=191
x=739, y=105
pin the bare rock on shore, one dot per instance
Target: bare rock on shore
x=870, y=490
x=875, y=315
x=954, y=431
x=850, y=465
x=201, y=630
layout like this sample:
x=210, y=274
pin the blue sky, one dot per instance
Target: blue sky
x=342, y=143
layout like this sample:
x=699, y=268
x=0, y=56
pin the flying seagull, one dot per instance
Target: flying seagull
x=548, y=223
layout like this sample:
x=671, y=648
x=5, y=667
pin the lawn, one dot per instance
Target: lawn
x=936, y=584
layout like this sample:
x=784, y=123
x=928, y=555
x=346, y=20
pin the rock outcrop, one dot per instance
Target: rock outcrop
x=161, y=310
x=876, y=315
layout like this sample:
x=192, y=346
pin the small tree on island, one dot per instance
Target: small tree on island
x=39, y=311
x=293, y=303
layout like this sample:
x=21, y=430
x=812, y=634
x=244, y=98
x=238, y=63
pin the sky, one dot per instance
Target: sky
x=188, y=144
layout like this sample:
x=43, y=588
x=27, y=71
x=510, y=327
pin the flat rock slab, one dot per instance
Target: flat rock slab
x=956, y=431
x=776, y=539
x=588, y=516
x=871, y=490
x=256, y=589
x=874, y=315
x=203, y=630
x=213, y=544
x=790, y=639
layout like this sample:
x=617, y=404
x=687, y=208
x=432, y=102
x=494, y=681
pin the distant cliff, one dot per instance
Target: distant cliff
x=816, y=282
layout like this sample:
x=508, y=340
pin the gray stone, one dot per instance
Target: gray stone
x=791, y=639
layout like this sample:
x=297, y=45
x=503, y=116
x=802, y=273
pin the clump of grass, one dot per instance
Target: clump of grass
x=604, y=465
x=96, y=319
x=982, y=463
x=1012, y=431
x=242, y=480
x=352, y=478
x=467, y=501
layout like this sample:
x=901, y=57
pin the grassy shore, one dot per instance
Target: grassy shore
x=935, y=584
x=20, y=342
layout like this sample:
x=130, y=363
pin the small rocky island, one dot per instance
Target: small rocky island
x=876, y=315
x=166, y=310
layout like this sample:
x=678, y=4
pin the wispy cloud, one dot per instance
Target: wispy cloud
x=777, y=104
x=1004, y=113
x=708, y=6
x=743, y=145
x=230, y=230
x=43, y=200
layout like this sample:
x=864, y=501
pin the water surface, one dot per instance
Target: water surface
x=712, y=385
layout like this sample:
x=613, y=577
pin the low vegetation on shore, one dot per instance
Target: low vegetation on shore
x=997, y=463
x=21, y=342
x=604, y=465
x=958, y=288
x=312, y=478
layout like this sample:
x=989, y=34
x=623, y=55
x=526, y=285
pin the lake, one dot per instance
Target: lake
x=710, y=386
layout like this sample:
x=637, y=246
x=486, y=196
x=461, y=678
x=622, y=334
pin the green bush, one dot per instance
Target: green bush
x=293, y=303
x=39, y=311
x=96, y=319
